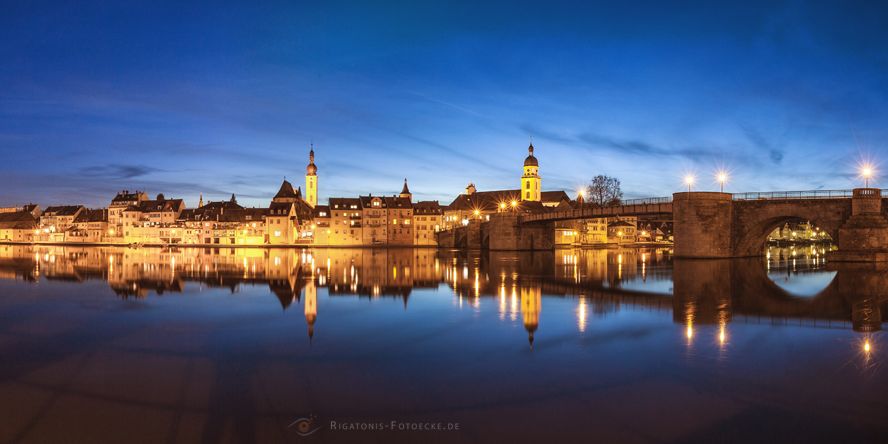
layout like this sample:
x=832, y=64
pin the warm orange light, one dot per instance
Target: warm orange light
x=514, y=203
x=866, y=346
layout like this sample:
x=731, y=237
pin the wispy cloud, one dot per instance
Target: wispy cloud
x=117, y=171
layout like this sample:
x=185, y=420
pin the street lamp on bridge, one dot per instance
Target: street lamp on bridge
x=689, y=180
x=721, y=176
x=866, y=172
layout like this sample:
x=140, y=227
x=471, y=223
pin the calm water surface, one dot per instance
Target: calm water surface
x=253, y=345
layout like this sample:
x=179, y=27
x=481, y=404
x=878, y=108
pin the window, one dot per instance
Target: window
x=277, y=233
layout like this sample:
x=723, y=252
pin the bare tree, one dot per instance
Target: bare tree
x=604, y=191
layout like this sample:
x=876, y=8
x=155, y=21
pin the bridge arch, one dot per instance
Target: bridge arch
x=753, y=221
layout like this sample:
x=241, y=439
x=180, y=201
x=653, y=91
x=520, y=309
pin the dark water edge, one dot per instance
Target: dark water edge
x=147, y=345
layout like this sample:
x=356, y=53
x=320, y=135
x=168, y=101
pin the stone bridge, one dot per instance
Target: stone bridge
x=708, y=224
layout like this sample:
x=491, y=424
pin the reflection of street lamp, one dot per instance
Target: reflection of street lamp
x=689, y=180
x=866, y=172
x=721, y=177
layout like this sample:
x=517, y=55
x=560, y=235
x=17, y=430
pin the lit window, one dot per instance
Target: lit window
x=277, y=233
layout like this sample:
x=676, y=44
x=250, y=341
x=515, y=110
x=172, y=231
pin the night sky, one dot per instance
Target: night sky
x=177, y=99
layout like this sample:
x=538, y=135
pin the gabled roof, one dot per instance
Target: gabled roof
x=304, y=211
x=325, y=209
x=398, y=202
x=18, y=220
x=126, y=196
x=62, y=210
x=427, y=207
x=287, y=191
x=223, y=204
x=165, y=205
x=345, y=203
x=279, y=209
x=97, y=215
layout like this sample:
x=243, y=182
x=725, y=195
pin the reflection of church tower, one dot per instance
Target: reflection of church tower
x=530, y=182
x=530, y=310
x=311, y=307
x=311, y=180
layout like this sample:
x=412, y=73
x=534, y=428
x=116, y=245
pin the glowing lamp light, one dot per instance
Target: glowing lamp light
x=476, y=212
x=867, y=347
x=514, y=203
x=502, y=205
x=722, y=177
x=689, y=181
x=867, y=172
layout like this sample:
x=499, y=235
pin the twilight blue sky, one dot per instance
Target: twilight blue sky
x=213, y=98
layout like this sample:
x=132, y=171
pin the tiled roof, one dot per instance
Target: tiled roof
x=321, y=209
x=97, y=215
x=18, y=220
x=62, y=210
x=427, y=207
x=287, y=191
x=345, y=203
x=165, y=205
x=398, y=202
x=126, y=196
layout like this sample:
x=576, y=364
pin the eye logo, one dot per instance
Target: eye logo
x=305, y=426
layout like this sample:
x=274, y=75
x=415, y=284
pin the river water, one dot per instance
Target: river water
x=419, y=345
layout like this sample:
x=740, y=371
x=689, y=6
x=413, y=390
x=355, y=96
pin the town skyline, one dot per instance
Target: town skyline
x=184, y=100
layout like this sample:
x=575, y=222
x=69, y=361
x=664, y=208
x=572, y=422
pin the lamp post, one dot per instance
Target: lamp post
x=721, y=177
x=866, y=171
x=689, y=180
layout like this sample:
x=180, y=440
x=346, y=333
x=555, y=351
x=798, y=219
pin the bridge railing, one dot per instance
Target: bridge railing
x=646, y=201
x=784, y=195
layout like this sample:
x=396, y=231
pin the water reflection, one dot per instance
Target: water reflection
x=691, y=348
x=699, y=292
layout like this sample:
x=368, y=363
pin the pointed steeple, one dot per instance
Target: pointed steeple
x=200, y=202
x=311, y=169
x=233, y=199
x=405, y=192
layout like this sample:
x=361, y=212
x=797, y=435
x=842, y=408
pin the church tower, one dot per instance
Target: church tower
x=531, y=184
x=311, y=180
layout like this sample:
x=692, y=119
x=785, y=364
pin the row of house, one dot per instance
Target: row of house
x=132, y=217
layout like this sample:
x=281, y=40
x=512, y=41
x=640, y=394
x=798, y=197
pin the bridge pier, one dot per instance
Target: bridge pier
x=864, y=236
x=703, y=223
x=508, y=233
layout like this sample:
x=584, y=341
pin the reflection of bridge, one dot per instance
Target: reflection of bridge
x=703, y=292
x=707, y=224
